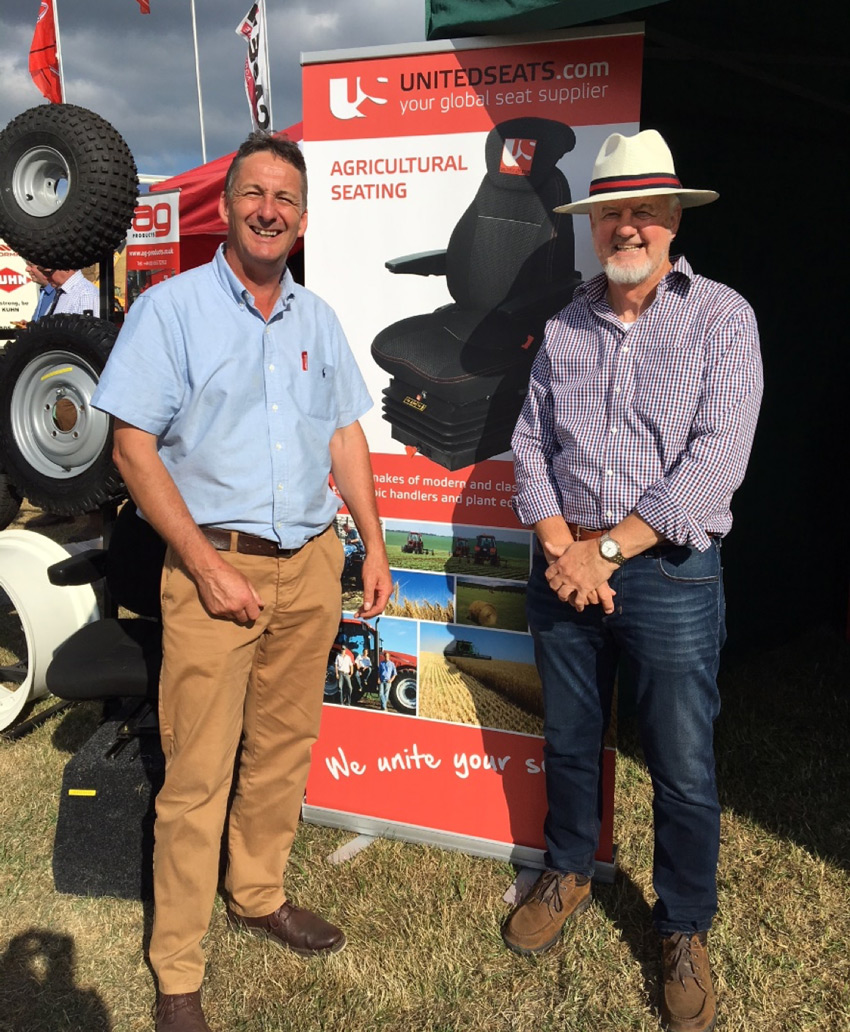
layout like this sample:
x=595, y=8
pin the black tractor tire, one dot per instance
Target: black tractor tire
x=56, y=448
x=331, y=685
x=68, y=186
x=403, y=692
x=10, y=501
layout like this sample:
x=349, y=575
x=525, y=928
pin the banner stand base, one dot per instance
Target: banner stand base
x=369, y=828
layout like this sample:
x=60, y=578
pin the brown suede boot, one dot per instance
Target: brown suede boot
x=535, y=924
x=688, y=1004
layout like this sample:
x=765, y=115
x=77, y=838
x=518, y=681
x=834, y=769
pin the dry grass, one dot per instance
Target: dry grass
x=424, y=951
x=449, y=691
x=418, y=609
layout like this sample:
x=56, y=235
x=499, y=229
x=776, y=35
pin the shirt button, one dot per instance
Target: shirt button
x=278, y=446
x=274, y=408
x=613, y=431
x=616, y=390
x=609, y=514
x=609, y=472
x=280, y=487
x=625, y=349
x=271, y=368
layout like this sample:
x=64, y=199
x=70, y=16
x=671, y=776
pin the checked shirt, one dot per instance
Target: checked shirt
x=656, y=418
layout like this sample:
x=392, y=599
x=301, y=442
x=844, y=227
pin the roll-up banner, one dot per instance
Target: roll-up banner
x=434, y=169
x=18, y=293
x=153, y=243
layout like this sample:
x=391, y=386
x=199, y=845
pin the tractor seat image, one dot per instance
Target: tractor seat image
x=460, y=373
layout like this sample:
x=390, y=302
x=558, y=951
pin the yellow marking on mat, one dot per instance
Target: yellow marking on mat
x=82, y=791
x=57, y=372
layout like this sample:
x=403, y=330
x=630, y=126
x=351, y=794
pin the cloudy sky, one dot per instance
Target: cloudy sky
x=138, y=71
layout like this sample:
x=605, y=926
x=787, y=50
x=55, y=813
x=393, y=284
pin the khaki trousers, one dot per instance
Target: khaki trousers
x=221, y=684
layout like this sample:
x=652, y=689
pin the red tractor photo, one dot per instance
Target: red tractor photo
x=360, y=638
x=415, y=546
x=486, y=550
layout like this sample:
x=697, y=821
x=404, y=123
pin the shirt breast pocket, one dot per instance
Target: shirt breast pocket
x=668, y=386
x=316, y=392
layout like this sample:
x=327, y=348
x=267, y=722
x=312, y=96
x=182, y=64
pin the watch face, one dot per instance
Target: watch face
x=609, y=548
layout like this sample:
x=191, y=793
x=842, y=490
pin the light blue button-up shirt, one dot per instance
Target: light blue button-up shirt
x=243, y=409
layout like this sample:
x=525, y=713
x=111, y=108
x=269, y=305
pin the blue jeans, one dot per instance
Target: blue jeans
x=384, y=693
x=667, y=628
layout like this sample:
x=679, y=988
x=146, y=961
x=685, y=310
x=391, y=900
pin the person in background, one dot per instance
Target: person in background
x=75, y=294
x=62, y=292
x=386, y=674
x=46, y=292
x=344, y=667
x=363, y=670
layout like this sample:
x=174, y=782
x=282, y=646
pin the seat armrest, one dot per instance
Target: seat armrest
x=83, y=568
x=426, y=263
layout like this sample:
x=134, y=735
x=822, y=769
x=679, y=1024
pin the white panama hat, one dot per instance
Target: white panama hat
x=628, y=166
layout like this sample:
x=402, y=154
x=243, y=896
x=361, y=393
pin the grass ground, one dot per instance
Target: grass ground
x=424, y=950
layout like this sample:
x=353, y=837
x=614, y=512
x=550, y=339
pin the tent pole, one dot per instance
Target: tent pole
x=198, y=80
x=59, y=49
x=268, y=65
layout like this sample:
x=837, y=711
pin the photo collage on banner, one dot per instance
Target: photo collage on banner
x=434, y=170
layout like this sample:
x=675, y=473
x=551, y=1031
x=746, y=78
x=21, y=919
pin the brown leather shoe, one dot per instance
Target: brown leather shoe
x=180, y=1012
x=535, y=924
x=688, y=1004
x=298, y=930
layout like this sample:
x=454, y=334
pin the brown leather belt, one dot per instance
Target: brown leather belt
x=247, y=544
x=580, y=533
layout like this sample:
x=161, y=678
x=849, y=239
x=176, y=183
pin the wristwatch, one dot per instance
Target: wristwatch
x=610, y=550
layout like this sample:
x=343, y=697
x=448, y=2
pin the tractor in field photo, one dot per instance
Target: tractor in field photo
x=415, y=546
x=486, y=550
x=463, y=649
x=359, y=637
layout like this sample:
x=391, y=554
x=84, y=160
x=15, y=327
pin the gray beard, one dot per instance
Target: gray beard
x=631, y=274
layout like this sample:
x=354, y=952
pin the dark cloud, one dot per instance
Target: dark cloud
x=138, y=71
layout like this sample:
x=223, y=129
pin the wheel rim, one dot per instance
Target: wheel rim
x=406, y=692
x=41, y=181
x=331, y=686
x=56, y=429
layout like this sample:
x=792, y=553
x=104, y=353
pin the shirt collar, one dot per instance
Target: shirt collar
x=237, y=290
x=678, y=279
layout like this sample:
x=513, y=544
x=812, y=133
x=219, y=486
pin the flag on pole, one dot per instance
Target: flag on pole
x=253, y=28
x=144, y=6
x=44, y=60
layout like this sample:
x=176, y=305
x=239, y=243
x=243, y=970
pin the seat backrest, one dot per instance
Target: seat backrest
x=134, y=563
x=509, y=240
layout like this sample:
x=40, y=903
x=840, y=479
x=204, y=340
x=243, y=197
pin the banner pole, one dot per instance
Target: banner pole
x=268, y=64
x=198, y=80
x=59, y=49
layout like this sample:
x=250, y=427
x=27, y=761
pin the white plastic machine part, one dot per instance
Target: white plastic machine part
x=49, y=615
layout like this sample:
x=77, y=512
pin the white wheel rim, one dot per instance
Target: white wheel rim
x=49, y=614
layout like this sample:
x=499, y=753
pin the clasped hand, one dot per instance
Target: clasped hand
x=579, y=575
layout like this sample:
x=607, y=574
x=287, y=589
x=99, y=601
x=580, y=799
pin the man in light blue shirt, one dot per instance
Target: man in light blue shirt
x=235, y=395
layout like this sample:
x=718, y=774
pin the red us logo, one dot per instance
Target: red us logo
x=517, y=157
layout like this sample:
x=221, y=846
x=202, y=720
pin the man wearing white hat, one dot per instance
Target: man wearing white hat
x=635, y=433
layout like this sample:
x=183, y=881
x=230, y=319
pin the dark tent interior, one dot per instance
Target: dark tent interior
x=753, y=99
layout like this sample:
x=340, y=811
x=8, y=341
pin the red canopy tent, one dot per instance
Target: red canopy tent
x=201, y=229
